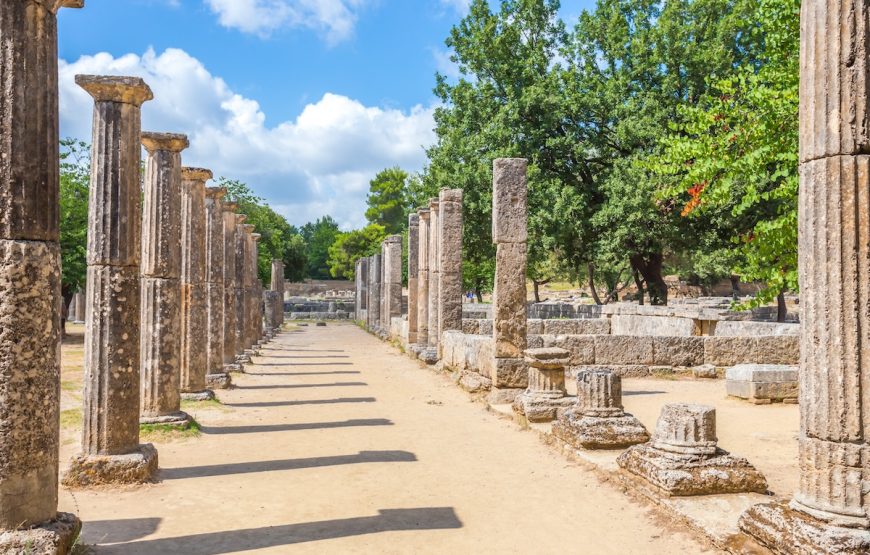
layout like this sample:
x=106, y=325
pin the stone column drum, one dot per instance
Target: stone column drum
x=111, y=453
x=423, y=280
x=216, y=378
x=449, y=261
x=546, y=398
x=434, y=243
x=30, y=299
x=830, y=513
x=682, y=458
x=194, y=295
x=392, y=279
x=510, y=235
x=413, y=280
x=229, y=277
x=598, y=421
x=161, y=281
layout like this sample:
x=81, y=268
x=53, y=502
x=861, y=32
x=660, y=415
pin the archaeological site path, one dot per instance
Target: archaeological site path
x=335, y=442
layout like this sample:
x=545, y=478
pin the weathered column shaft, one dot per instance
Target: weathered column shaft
x=80, y=307
x=413, y=270
x=434, y=298
x=392, y=279
x=423, y=278
x=214, y=249
x=240, y=284
x=229, y=268
x=375, y=291
x=450, y=260
x=510, y=234
x=256, y=294
x=277, y=281
x=194, y=295
x=30, y=299
x=161, y=273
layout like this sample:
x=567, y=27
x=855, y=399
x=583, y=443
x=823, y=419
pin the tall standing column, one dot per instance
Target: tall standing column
x=81, y=303
x=434, y=299
x=423, y=278
x=217, y=377
x=229, y=277
x=194, y=296
x=510, y=235
x=449, y=261
x=392, y=280
x=30, y=299
x=375, y=292
x=239, y=284
x=413, y=280
x=256, y=295
x=277, y=277
x=277, y=286
x=111, y=453
x=161, y=281
x=830, y=513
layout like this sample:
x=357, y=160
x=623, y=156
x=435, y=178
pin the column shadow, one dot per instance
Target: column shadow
x=118, y=531
x=233, y=541
x=286, y=464
x=332, y=373
x=365, y=422
x=307, y=364
x=338, y=401
x=638, y=393
x=303, y=385
x=308, y=356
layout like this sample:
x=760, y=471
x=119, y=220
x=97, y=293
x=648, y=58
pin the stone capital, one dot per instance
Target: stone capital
x=216, y=193
x=393, y=239
x=172, y=142
x=256, y=236
x=450, y=195
x=424, y=214
x=230, y=206
x=54, y=5
x=196, y=174
x=241, y=219
x=110, y=88
x=413, y=220
x=248, y=228
x=433, y=205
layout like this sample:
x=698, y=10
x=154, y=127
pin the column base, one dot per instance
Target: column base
x=179, y=419
x=429, y=355
x=204, y=395
x=686, y=475
x=218, y=381
x=252, y=353
x=542, y=406
x=503, y=395
x=234, y=367
x=243, y=359
x=592, y=432
x=55, y=537
x=137, y=467
x=786, y=531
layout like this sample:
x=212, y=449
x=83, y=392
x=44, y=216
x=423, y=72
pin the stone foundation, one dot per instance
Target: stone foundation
x=763, y=384
x=55, y=537
x=178, y=419
x=536, y=406
x=205, y=395
x=218, y=381
x=592, y=432
x=503, y=395
x=95, y=470
x=785, y=531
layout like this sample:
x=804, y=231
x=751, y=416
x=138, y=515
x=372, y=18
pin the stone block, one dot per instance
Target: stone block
x=509, y=201
x=741, y=328
x=535, y=326
x=54, y=537
x=535, y=341
x=621, y=370
x=485, y=327
x=763, y=383
x=590, y=432
x=622, y=350
x=777, y=349
x=510, y=373
x=784, y=530
x=661, y=326
x=509, y=300
x=471, y=326
x=705, y=371
x=728, y=351
x=98, y=470
x=678, y=351
x=581, y=347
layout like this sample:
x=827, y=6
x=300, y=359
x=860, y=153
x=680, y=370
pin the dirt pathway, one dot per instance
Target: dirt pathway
x=336, y=443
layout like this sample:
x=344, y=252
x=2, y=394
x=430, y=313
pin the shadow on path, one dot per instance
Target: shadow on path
x=232, y=541
x=309, y=356
x=302, y=385
x=338, y=401
x=220, y=430
x=118, y=531
x=333, y=373
x=637, y=393
x=287, y=464
x=308, y=364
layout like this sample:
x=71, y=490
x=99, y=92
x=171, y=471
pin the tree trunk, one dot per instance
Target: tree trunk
x=781, y=309
x=477, y=289
x=651, y=269
x=639, y=283
x=735, y=287
x=537, y=291
x=66, y=295
x=591, y=271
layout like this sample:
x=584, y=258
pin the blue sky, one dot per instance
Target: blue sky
x=303, y=99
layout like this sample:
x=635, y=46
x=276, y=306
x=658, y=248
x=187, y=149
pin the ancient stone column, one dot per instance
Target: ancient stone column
x=217, y=377
x=30, y=299
x=239, y=286
x=194, y=295
x=358, y=288
x=392, y=280
x=683, y=459
x=423, y=279
x=546, y=398
x=229, y=277
x=434, y=260
x=161, y=281
x=111, y=453
x=277, y=281
x=510, y=235
x=256, y=328
x=598, y=421
x=830, y=513
x=413, y=270
x=81, y=305
x=375, y=293
x=449, y=261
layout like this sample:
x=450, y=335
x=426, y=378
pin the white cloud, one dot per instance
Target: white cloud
x=460, y=6
x=334, y=19
x=320, y=163
x=444, y=65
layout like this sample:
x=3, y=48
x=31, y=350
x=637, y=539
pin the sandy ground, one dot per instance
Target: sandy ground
x=336, y=443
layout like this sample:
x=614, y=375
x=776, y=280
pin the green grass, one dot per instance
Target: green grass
x=210, y=404
x=166, y=432
x=71, y=418
x=71, y=386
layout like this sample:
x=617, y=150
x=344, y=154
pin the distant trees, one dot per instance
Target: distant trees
x=75, y=179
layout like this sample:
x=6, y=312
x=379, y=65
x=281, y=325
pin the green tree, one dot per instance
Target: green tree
x=319, y=236
x=389, y=200
x=75, y=176
x=351, y=246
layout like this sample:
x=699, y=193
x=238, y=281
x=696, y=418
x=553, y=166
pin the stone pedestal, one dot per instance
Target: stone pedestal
x=216, y=376
x=762, y=384
x=423, y=279
x=598, y=421
x=545, y=398
x=161, y=281
x=682, y=458
x=413, y=270
x=30, y=297
x=510, y=235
